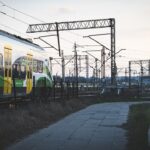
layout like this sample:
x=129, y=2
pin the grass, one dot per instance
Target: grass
x=16, y=123
x=137, y=126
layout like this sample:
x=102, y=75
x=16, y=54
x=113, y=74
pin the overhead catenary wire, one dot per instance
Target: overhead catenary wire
x=3, y=4
x=66, y=40
x=76, y=34
x=14, y=18
x=15, y=10
x=17, y=19
x=15, y=30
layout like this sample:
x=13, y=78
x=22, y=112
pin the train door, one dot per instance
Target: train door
x=29, y=73
x=7, y=70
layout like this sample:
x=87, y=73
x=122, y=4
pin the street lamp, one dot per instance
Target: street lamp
x=120, y=51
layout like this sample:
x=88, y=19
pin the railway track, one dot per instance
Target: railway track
x=8, y=100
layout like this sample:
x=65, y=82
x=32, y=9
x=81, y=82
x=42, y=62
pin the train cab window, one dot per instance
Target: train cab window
x=1, y=61
x=19, y=68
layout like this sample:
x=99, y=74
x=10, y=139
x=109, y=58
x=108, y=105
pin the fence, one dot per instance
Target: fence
x=58, y=91
x=70, y=89
x=63, y=90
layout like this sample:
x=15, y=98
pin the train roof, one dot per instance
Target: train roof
x=20, y=39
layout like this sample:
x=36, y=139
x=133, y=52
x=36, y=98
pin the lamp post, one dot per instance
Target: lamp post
x=115, y=63
x=116, y=54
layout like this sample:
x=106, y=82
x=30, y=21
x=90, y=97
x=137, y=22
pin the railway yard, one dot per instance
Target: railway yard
x=77, y=79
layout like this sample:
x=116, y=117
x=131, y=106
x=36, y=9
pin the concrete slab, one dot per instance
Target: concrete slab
x=98, y=127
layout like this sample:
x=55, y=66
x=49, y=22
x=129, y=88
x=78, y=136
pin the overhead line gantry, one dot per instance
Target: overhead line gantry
x=78, y=25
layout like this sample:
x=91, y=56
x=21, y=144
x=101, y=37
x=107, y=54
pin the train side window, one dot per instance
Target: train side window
x=40, y=66
x=35, y=66
x=23, y=72
x=1, y=61
x=16, y=71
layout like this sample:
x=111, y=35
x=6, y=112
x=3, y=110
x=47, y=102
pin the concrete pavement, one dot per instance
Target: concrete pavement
x=98, y=127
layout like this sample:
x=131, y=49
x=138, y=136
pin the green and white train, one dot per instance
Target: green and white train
x=22, y=61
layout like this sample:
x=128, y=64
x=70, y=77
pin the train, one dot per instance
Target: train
x=23, y=65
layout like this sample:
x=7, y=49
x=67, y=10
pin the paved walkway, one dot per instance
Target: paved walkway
x=95, y=128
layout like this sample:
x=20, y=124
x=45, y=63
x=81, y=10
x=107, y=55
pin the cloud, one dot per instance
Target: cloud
x=64, y=10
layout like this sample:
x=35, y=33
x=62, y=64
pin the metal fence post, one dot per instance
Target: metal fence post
x=73, y=91
x=45, y=86
x=54, y=90
x=62, y=88
x=14, y=85
x=33, y=89
x=68, y=90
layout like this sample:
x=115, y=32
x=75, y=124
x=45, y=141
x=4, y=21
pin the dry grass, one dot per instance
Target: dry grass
x=138, y=125
x=23, y=120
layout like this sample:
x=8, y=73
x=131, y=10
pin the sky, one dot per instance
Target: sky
x=132, y=23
